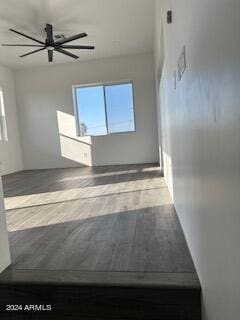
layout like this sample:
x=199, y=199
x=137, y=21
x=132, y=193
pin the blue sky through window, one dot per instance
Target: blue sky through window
x=91, y=110
x=92, y=105
x=120, y=114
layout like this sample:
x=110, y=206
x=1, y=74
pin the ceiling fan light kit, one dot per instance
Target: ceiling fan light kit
x=52, y=45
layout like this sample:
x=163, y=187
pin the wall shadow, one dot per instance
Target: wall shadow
x=72, y=147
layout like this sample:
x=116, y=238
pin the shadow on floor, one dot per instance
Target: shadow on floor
x=148, y=239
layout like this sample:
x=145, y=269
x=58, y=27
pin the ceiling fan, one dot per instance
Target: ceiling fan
x=51, y=45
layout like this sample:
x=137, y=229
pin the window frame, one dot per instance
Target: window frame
x=3, y=121
x=104, y=85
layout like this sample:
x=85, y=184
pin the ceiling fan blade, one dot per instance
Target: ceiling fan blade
x=49, y=31
x=50, y=55
x=77, y=36
x=35, y=51
x=77, y=47
x=23, y=45
x=67, y=53
x=26, y=36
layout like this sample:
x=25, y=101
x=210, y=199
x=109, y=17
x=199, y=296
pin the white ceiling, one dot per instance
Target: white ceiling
x=115, y=27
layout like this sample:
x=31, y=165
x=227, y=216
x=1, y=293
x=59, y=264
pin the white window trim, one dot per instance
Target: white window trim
x=104, y=84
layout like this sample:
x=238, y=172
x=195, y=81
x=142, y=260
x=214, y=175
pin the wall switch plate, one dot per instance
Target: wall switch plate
x=182, y=65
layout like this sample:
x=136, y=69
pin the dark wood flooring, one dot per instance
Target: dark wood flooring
x=108, y=226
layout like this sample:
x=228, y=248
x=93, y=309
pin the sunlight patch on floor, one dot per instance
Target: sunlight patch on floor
x=78, y=193
x=93, y=174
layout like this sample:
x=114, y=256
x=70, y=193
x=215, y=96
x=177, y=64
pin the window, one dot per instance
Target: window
x=104, y=109
x=3, y=125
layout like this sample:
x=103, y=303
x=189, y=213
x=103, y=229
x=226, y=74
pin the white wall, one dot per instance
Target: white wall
x=46, y=114
x=10, y=151
x=4, y=245
x=201, y=133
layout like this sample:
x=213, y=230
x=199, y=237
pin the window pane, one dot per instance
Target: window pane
x=3, y=125
x=119, y=104
x=91, y=111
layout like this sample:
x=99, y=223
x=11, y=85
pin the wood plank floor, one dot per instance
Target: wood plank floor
x=112, y=219
x=96, y=243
